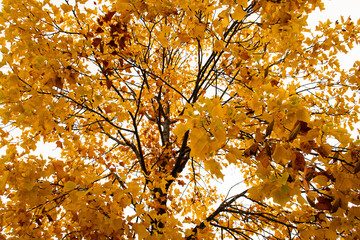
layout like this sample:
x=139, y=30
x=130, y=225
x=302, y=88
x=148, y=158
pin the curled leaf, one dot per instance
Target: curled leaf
x=294, y=132
x=269, y=128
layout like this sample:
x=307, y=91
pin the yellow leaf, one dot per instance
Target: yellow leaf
x=283, y=179
x=163, y=40
x=66, y=7
x=243, y=3
x=199, y=143
x=303, y=114
x=219, y=45
x=281, y=155
x=180, y=130
x=3, y=181
x=321, y=180
x=70, y=185
x=219, y=138
x=324, y=149
x=239, y=13
x=231, y=158
x=141, y=231
x=281, y=195
x=214, y=167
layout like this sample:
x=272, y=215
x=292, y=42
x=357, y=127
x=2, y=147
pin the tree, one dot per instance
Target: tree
x=150, y=102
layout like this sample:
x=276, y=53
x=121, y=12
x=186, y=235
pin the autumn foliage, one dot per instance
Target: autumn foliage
x=152, y=103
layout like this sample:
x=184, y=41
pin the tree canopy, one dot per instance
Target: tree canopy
x=151, y=102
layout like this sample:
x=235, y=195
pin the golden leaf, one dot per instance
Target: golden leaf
x=3, y=180
x=324, y=149
x=281, y=155
x=239, y=14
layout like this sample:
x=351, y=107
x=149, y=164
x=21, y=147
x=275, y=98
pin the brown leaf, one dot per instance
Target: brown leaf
x=181, y=182
x=108, y=83
x=59, y=82
x=59, y=144
x=309, y=173
x=311, y=202
x=108, y=16
x=117, y=28
x=357, y=167
x=38, y=219
x=269, y=128
x=335, y=206
x=96, y=42
x=112, y=44
x=323, y=203
x=72, y=77
x=263, y=158
x=274, y=83
x=99, y=30
x=108, y=109
x=244, y=55
x=285, y=18
x=327, y=174
x=267, y=149
x=100, y=22
x=259, y=137
x=303, y=127
x=49, y=218
x=122, y=41
x=324, y=150
x=298, y=161
x=90, y=35
x=251, y=151
x=307, y=146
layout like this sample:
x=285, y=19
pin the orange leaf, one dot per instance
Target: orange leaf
x=59, y=144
